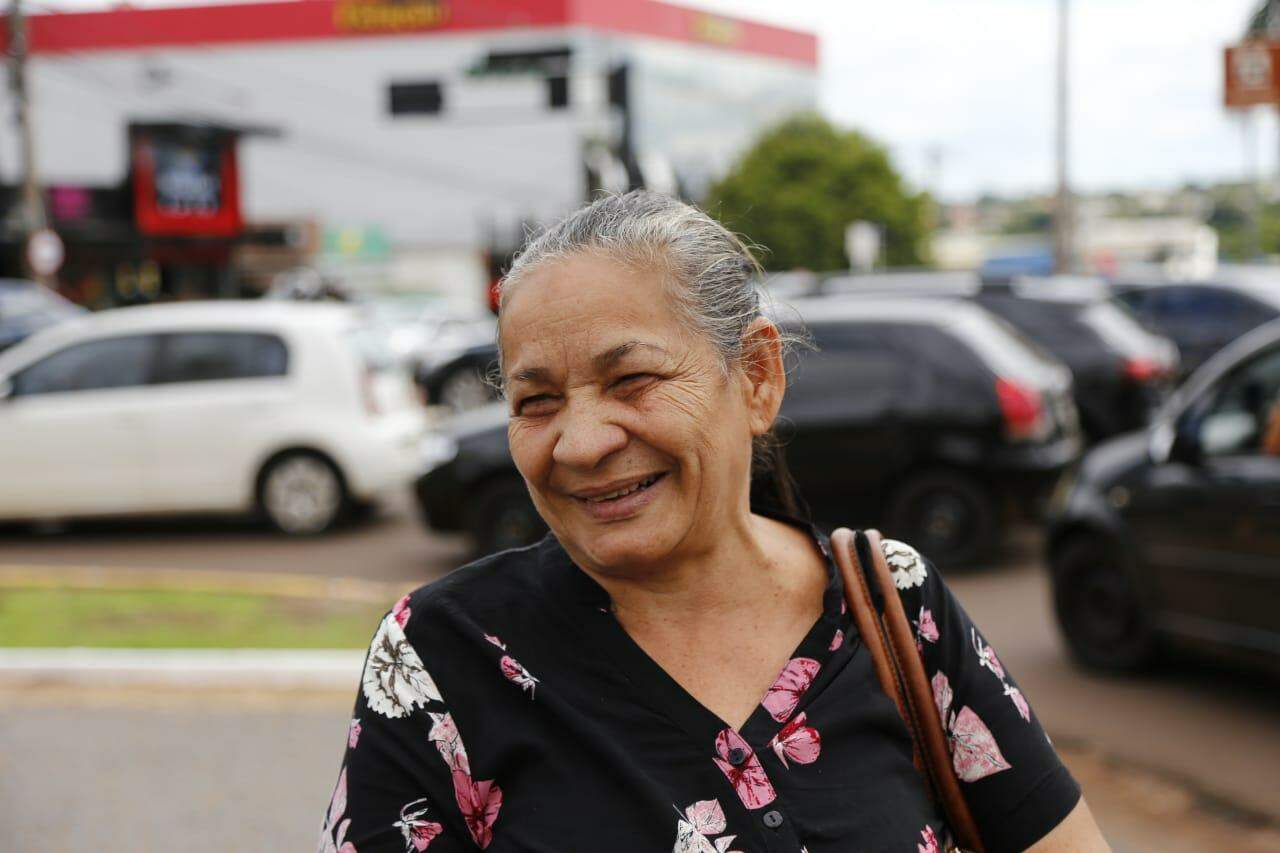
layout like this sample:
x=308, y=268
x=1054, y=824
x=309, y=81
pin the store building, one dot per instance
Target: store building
x=400, y=140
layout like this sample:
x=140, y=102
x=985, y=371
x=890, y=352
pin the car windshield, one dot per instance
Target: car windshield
x=1004, y=348
x=1117, y=327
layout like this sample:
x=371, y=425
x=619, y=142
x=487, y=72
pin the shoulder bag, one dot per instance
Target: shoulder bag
x=882, y=623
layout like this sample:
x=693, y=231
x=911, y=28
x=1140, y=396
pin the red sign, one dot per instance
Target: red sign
x=1252, y=74
x=186, y=186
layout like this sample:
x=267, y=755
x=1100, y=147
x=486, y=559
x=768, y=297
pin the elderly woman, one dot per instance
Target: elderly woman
x=672, y=668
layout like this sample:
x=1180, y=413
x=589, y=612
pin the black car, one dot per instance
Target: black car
x=462, y=382
x=1171, y=535
x=1201, y=318
x=27, y=307
x=928, y=417
x=1121, y=371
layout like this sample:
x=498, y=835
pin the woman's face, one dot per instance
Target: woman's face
x=633, y=439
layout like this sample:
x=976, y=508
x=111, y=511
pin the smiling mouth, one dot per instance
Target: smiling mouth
x=638, y=486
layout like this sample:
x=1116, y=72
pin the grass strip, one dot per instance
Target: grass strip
x=178, y=618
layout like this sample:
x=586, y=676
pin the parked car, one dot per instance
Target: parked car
x=293, y=410
x=928, y=416
x=1201, y=317
x=461, y=382
x=1171, y=535
x=27, y=307
x=1121, y=371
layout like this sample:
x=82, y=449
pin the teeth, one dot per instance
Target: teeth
x=623, y=492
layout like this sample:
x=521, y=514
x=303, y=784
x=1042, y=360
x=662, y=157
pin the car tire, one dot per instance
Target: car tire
x=1100, y=613
x=504, y=518
x=945, y=515
x=302, y=494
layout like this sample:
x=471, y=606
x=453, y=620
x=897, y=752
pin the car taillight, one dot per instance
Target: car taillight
x=368, y=392
x=1143, y=369
x=1025, y=418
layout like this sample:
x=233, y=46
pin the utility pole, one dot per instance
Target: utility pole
x=33, y=217
x=1063, y=242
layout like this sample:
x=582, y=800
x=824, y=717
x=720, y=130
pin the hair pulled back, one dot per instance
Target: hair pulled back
x=712, y=278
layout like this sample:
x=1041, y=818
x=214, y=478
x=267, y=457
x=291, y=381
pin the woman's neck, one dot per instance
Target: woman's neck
x=755, y=563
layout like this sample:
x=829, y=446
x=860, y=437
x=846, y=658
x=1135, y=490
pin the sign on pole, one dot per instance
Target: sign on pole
x=1252, y=74
x=45, y=252
x=862, y=245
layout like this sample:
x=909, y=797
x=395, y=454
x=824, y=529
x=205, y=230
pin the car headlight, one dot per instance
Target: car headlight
x=436, y=450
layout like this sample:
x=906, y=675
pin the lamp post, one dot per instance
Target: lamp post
x=1063, y=242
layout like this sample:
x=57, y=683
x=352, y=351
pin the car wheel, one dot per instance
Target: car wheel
x=504, y=518
x=1098, y=607
x=945, y=515
x=302, y=494
x=465, y=389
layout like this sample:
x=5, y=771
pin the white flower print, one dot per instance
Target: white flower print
x=987, y=658
x=395, y=681
x=696, y=826
x=905, y=563
x=418, y=832
x=514, y=672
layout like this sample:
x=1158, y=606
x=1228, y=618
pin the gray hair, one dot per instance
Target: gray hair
x=712, y=274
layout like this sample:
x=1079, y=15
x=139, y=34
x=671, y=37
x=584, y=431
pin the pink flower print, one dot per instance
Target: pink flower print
x=930, y=844
x=706, y=816
x=784, y=695
x=517, y=674
x=836, y=641
x=353, y=733
x=479, y=803
x=926, y=630
x=444, y=734
x=697, y=825
x=1019, y=701
x=418, y=833
x=491, y=638
x=986, y=655
x=844, y=607
x=334, y=832
x=401, y=611
x=747, y=776
x=797, y=741
x=974, y=751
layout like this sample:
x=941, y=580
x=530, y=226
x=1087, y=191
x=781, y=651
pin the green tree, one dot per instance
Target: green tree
x=803, y=181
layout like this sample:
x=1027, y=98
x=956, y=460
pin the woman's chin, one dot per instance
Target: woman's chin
x=626, y=550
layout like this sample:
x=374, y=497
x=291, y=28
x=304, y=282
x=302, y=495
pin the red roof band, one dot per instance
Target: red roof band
x=295, y=20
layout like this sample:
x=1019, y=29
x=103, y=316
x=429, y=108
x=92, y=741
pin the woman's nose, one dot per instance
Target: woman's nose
x=586, y=438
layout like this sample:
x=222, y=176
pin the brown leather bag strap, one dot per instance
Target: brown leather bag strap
x=883, y=626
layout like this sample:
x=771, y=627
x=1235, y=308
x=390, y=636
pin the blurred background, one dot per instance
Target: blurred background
x=248, y=258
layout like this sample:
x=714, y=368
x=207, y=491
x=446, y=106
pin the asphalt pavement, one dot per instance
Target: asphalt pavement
x=1184, y=757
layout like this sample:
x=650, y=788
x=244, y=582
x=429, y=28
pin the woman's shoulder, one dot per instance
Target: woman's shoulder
x=493, y=582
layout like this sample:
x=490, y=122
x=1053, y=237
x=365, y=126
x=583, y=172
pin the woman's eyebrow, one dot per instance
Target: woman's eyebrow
x=610, y=357
x=531, y=375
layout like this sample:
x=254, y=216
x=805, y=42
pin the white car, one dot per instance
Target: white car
x=293, y=410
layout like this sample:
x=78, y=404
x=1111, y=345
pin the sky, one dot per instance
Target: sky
x=961, y=91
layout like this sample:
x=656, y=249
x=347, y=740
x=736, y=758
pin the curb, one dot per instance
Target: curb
x=279, y=669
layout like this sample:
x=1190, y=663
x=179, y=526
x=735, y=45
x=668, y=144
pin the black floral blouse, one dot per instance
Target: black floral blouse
x=504, y=708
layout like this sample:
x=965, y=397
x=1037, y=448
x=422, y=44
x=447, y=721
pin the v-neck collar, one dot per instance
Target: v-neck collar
x=589, y=606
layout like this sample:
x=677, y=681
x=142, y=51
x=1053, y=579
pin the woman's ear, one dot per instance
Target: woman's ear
x=766, y=377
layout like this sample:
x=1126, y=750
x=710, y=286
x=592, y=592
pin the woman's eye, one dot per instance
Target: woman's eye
x=539, y=404
x=633, y=380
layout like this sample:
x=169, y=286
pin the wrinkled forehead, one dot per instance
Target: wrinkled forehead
x=566, y=313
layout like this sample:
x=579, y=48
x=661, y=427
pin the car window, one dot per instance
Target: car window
x=1194, y=304
x=1116, y=327
x=852, y=373
x=119, y=362
x=1244, y=415
x=210, y=356
x=1042, y=320
x=1002, y=346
